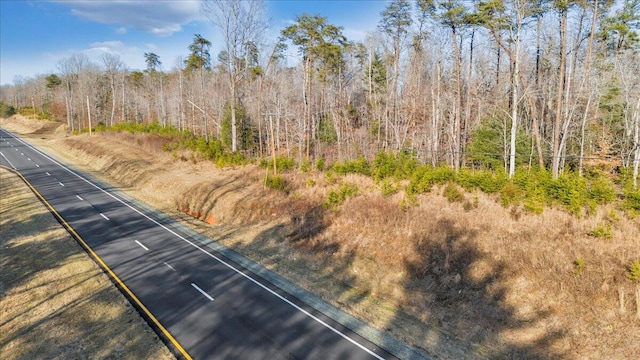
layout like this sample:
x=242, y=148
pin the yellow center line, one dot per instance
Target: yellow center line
x=102, y=264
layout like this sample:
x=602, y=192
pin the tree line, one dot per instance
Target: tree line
x=495, y=84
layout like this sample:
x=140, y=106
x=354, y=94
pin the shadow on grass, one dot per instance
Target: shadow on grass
x=454, y=309
x=466, y=299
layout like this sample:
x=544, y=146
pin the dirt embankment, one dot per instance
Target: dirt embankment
x=498, y=282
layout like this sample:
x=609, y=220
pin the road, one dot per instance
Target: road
x=202, y=304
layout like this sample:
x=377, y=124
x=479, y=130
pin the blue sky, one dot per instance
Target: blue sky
x=36, y=35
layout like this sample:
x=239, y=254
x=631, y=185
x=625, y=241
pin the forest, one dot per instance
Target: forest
x=497, y=84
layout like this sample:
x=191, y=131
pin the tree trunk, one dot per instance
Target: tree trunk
x=435, y=118
x=89, y=115
x=458, y=105
x=636, y=143
x=556, y=149
x=514, y=111
x=234, y=128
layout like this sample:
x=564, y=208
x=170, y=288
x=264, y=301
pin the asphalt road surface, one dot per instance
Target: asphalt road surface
x=203, y=304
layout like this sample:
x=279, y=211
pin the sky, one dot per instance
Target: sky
x=36, y=35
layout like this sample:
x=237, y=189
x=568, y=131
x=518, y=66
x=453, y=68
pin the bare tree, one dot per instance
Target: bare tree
x=241, y=23
x=71, y=68
x=506, y=21
x=112, y=65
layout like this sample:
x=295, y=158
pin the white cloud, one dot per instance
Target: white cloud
x=121, y=30
x=162, y=18
x=108, y=44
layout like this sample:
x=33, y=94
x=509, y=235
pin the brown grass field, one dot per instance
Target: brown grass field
x=456, y=281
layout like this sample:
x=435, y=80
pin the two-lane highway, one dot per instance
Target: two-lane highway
x=204, y=304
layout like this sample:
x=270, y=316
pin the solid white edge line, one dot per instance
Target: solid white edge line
x=336, y=331
x=202, y=292
x=142, y=246
x=104, y=216
x=14, y=168
x=79, y=198
x=169, y=266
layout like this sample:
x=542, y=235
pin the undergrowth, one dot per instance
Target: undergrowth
x=531, y=189
x=336, y=197
x=211, y=149
x=275, y=182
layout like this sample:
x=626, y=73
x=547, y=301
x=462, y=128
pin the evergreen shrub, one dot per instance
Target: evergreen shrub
x=335, y=198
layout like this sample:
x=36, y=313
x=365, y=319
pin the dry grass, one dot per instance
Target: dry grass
x=56, y=303
x=457, y=279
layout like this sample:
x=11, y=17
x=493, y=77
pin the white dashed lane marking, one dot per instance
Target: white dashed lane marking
x=202, y=292
x=142, y=246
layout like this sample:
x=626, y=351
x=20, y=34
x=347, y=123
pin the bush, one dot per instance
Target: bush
x=578, y=266
x=634, y=271
x=452, y=193
x=335, y=198
x=231, y=159
x=388, y=188
x=305, y=167
x=569, y=190
x=601, y=190
x=442, y=175
x=152, y=128
x=533, y=206
x=632, y=200
x=359, y=166
x=424, y=177
x=601, y=232
x=283, y=163
x=420, y=181
x=275, y=182
x=509, y=194
x=400, y=166
x=6, y=110
x=213, y=149
x=484, y=180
